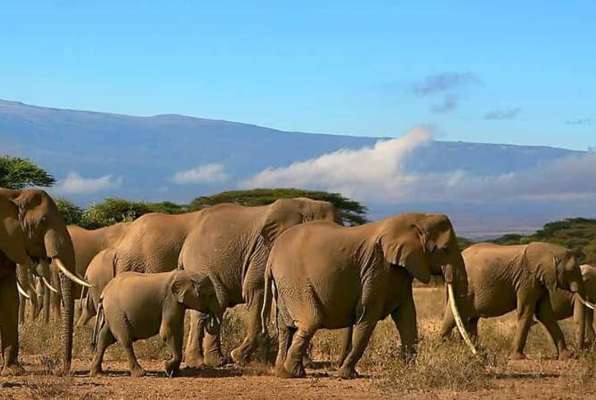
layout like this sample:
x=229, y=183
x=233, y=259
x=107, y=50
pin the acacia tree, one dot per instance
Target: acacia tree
x=17, y=173
x=351, y=211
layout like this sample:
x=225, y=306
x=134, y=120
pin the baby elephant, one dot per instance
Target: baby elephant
x=137, y=306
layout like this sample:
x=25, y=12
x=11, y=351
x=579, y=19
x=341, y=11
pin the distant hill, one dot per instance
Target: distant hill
x=144, y=153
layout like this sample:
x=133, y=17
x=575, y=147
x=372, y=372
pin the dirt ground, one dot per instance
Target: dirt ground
x=539, y=377
x=521, y=380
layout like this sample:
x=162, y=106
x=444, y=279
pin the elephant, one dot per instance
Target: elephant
x=503, y=278
x=230, y=243
x=99, y=273
x=87, y=244
x=32, y=231
x=137, y=306
x=323, y=275
x=566, y=304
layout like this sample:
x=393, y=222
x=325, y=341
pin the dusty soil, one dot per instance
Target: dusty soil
x=520, y=380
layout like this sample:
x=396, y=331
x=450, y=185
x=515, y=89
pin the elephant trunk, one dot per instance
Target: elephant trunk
x=59, y=247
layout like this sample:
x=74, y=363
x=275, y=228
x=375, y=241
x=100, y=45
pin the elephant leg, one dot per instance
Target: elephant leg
x=22, y=309
x=546, y=316
x=133, y=364
x=46, y=305
x=579, y=317
x=346, y=345
x=104, y=340
x=590, y=327
x=284, y=340
x=9, y=321
x=472, y=328
x=174, y=343
x=405, y=321
x=448, y=323
x=525, y=312
x=360, y=337
x=241, y=354
x=193, y=354
x=293, y=367
x=212, y=350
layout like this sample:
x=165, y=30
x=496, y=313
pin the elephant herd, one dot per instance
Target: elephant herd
x=291, y=261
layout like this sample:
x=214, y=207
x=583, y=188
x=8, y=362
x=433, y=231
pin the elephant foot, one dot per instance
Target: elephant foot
x=281, y=372
x=194, y=361
x=347, y=373
x=291, y=371
x=216, y=360
x=308, y=362
x=12, y=370
x=518, y=355
x=239, y=356
x=137, y=372
x=565, y=355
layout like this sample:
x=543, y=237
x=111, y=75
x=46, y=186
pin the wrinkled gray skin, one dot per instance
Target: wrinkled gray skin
x=517, y=277
x=87, y=244
x=566, y=304
x=327, y=276
x=137, y=306
x=99, y=273
x=230, y=243
x=32, y=230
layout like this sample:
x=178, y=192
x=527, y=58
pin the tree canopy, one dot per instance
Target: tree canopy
x=351, y=211
x=17, y=173
x=577, y=234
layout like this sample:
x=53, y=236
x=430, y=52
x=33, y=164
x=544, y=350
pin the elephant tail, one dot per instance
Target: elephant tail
x=270, y=292
x=99, y=322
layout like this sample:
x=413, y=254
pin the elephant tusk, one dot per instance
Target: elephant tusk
x=45, y=282
x=586, y=302
x=22, y=291
x=458, y=320
x=70, y=275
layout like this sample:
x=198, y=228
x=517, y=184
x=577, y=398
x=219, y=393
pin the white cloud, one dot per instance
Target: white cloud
x=377, y=174
x=207, y=173
x=76, y=184
x=358, y=173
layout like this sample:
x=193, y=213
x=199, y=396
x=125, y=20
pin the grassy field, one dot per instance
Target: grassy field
x=442, y=370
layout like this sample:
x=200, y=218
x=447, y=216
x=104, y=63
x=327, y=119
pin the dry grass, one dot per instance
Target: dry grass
x=442, y=366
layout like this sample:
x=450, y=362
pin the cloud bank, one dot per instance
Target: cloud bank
x=378, y=174
x=207, y=173
x=76, y=184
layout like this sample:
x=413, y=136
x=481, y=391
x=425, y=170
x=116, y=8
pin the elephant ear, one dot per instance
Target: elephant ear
x=181, y=288
x=282, y=215
x=408, y=251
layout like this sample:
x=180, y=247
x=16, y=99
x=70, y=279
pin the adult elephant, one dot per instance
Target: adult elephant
x=329, y=276
x=517, y=277
x=87, y=244
x=566, y=304
x=32, y=230
x=99, y=273
x=230, y=243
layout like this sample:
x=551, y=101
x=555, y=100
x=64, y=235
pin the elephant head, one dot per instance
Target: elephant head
x=285, y=213
x=45, y=238
x=557, y=268
x=425, y=245
x=196, y=291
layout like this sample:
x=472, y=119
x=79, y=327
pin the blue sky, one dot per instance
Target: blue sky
x=504, y=72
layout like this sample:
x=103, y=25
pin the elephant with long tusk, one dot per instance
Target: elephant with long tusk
x=323, y=275
x=31, y=229
x=517, y=277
